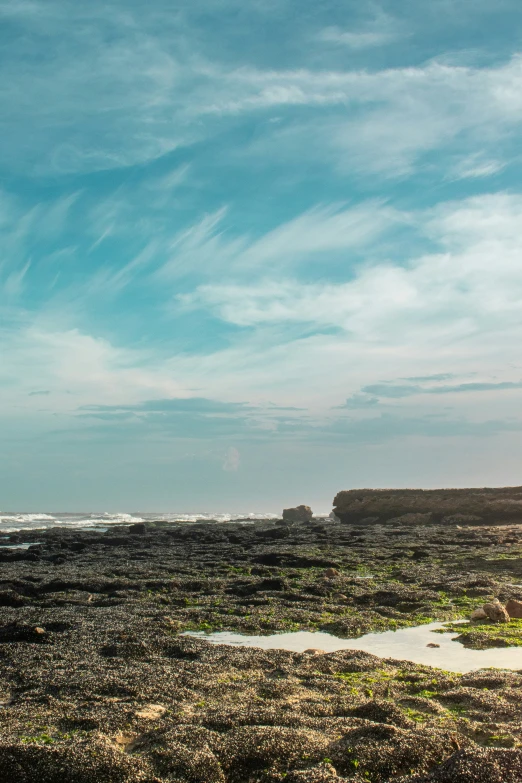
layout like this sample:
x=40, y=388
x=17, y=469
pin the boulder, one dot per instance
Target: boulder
x=496, y=612
x=138, y=528
x=478, y=614
x=514, y=609
x=298, y=514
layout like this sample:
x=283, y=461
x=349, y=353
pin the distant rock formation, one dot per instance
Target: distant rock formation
x=298, y=514
x=430, y=506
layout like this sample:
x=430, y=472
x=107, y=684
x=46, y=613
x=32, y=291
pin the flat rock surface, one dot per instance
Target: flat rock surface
x=96, y=680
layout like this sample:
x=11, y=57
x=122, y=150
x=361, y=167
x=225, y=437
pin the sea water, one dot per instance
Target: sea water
x=13, y=521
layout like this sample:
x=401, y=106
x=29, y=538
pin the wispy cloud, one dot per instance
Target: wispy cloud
x=321, y=231
x=360, y=402
x=396, y=391
x=173, y=405
x=390, y=120
x=387, y=427
x=452, y=290
x=356, y=40
x=150, y=92
x=379, y=30
x=476, y=166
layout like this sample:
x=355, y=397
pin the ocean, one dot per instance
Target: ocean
x=13, y=521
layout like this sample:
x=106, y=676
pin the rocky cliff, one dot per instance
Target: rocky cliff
x=425, y=506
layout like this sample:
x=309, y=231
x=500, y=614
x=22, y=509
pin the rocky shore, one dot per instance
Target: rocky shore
x=97, y=684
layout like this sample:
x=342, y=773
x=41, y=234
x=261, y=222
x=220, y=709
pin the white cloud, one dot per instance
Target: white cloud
x=476, y=166
x=386, y=120
x=454, y=310
x=24, y=231
x=356, y=40
x=76, y=369
x=322, y=231
x=113, y=92
x=449, y=312
x=479, y=276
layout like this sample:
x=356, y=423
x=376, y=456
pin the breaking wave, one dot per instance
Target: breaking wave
x=12, y=522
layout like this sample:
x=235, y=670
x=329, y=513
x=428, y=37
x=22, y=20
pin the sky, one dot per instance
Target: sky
x=252, y=254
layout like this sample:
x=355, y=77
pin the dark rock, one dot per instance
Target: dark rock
x=77, y=546
x=477, y=765
x=383, y=712
x=110, y=540
x=15, y=632
x=177, y=762
x=289, y=560
x=12, y=598
x=258, y=747
x=323, y=773
x=387, y=751
x=298, y=514
x=276, y=533
x=138, y=528
x=79, y=763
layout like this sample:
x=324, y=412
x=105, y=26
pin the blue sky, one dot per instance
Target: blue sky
x=255, y=253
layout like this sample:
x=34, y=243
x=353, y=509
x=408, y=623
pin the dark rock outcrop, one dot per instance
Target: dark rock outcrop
x=298, y=514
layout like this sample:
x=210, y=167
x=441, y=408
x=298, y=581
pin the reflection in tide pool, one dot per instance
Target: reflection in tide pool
x=407, y=644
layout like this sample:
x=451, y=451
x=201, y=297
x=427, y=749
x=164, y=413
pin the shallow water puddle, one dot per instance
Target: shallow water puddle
x=406, y=644
x=20, y=546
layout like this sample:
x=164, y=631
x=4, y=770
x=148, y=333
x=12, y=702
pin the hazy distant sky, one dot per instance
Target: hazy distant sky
x=256, y=252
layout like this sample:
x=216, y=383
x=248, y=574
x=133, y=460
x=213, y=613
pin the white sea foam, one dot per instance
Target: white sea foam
x=25, y=517
x=206, y=517
x=12, y=522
